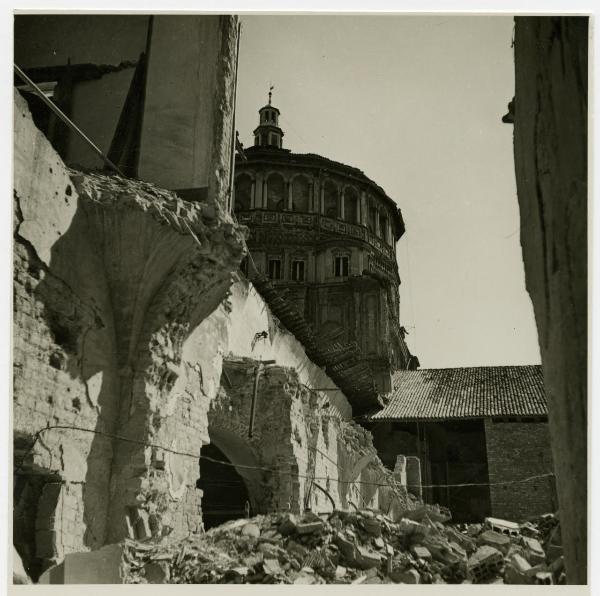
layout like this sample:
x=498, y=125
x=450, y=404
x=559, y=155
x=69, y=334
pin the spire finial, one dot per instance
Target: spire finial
x=271, y=87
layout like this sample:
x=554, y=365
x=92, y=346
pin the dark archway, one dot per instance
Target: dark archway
x=330, y=197
x=300, y=194
x=225, y=494
x=351, y=208
x=243, y=193
x=276, y=193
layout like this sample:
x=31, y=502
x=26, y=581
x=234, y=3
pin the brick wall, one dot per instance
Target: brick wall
x=517, y=450
x=298, y=440
x=108, y=284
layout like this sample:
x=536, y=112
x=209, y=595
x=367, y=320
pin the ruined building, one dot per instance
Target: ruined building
x=325, y=234
x=150, y=378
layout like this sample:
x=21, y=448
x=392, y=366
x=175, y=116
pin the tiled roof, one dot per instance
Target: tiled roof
x=476, y=392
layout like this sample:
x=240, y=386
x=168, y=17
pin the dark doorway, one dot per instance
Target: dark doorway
x=225, y=493
x=457, y=456
x=35, y=501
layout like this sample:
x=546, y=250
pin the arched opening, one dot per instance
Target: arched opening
x=243, y=193
x=330, y=196
x=300, y=194
x=372, y=217
x=275, y=192
x=351, y=205
x=37, y=512
x=231, y=488
x=225, y=494
x=383, y=226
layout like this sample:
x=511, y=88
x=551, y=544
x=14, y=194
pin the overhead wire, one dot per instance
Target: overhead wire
x=258, y=468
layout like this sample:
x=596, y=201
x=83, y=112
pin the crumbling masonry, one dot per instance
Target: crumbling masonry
x=125, y=319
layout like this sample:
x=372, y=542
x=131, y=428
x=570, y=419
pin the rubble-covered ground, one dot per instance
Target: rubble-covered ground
x=344, y=547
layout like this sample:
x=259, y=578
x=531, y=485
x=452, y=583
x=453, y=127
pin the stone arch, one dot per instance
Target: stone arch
x=276, y=195
x=330, y=199
x=351, y=205
x=243, y=192
x=239, y=453
x=300, y=193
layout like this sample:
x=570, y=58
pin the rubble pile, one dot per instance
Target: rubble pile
x=356, y=547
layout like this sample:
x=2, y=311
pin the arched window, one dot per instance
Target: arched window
x=243, y=193
x=372, y=217
x=351, y=205
x=383, y=226
x=331, y=199
x=300, y=191
x=275, y=192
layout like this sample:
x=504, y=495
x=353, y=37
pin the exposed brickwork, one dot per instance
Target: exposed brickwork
x=110, y=278
x=517, y=450
x=299, y=438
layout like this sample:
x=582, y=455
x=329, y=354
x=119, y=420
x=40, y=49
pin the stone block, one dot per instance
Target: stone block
x=534, y=552
x=272, y=567
x=102, y=566
x=495, y=539
x=463, y=540
x=528, y=529
x=412, y=528
x=484, y=564
x=502, y=526
x=515, y=570
x=421, y=552
x=366, y=558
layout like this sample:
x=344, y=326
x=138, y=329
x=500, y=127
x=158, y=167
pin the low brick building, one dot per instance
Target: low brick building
x=481, y=435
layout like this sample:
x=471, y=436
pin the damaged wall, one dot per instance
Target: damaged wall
x=121, y=326
x=550, y=147
x=179, y=119
x=299, y=427
x=300, y=443
x=111, y=276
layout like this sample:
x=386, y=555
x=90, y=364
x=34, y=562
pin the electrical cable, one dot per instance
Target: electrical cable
x=260, y=468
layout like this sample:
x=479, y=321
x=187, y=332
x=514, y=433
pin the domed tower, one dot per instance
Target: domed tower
x=268, y=133
x=325, y=234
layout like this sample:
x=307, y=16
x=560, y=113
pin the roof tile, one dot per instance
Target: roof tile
x=473, y=392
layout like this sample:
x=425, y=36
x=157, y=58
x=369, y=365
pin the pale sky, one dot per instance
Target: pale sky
x=416, y=103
